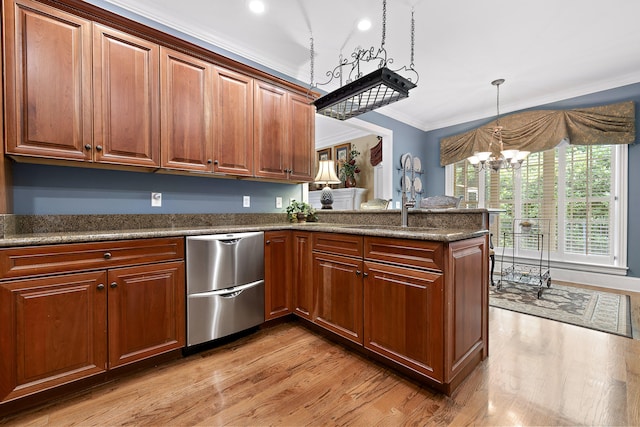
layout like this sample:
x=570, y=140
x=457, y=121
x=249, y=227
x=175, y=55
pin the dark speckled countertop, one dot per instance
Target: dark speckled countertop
x=424, y=225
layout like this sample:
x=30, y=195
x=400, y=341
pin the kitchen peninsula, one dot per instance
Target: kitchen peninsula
x=413, y=298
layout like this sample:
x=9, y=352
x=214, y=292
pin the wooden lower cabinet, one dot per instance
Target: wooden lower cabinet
x=403, y=316
x=421, y=305
x=277, y=274
x=60, y=324
x=302, y=284
x=53, y=331
x=146, y=306
x=337, y=284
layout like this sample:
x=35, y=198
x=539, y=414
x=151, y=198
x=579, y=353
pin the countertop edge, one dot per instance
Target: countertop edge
x=413, y=233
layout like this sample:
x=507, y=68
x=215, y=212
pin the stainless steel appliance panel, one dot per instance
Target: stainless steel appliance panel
x=223, y=261
x=216, y=314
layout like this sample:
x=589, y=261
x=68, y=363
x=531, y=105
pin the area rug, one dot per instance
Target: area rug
x=602, y=311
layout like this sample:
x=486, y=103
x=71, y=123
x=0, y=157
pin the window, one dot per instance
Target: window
x=576, y=187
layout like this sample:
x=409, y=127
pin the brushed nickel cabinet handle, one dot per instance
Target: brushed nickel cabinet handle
x=98, y=147
x=107, y=255
x=87, y=147
x=113, y=285
x=100, y=286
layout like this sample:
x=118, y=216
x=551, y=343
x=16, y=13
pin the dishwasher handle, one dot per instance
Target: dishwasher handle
x=229, y=241
x=228, y=292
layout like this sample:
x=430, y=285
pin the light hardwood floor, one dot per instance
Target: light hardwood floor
x=539, y=372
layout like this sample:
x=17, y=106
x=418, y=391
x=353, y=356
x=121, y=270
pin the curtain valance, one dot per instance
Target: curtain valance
x=544, y=129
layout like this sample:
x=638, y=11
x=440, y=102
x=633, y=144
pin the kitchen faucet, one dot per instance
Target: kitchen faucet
x=407, y=203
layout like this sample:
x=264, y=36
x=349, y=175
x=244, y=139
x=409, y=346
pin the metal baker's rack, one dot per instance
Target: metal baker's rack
x=531, y=234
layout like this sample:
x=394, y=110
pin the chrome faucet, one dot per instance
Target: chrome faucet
x=406, y=202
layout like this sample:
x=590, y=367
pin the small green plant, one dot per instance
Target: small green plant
x=308, y=211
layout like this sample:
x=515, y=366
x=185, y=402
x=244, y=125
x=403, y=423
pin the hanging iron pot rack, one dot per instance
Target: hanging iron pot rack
x=363, y=93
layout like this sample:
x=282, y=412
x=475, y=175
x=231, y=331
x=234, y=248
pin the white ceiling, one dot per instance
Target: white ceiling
x=547, y=50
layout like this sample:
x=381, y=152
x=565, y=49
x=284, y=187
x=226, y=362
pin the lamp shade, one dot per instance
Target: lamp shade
x=326, y=173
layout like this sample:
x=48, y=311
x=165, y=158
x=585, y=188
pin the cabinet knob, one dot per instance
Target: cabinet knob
x=87, y=147
x=107, y=255
x=113, y=285
x=358, y=272
x=268, y=242
x=209, y=161
x=215, y=162
x=100, y=286
x=365, y=275
x=98, y=147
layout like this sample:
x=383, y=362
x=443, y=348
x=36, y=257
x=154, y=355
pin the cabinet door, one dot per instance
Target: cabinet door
x=337, y=283
x=186, y=100
x=403, y=316
x=302, y=285
x=146, y=311
x=48, y=82
x=53, y=331
x=301, y=138
x=270, y=131
x=233, y=105
x=277, y=278
x=126, y=93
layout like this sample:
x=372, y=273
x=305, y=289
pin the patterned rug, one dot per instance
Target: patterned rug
x=602, y=311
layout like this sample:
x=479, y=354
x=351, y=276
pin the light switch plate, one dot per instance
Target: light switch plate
x=278, y=202
x=246, y=201
x=397, y=205
x=156, y=200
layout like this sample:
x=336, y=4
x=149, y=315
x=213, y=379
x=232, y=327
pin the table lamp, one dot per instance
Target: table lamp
x=326, y=175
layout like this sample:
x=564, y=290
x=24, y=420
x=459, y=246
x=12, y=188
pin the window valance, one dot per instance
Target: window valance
x=544, y=129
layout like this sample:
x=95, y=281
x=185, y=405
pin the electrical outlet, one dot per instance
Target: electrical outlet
x=397, y=205
x=278, y=202
x=156, y=200
x=246, y=201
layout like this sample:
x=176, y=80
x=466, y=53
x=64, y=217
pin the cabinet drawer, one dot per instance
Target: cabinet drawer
x=412, y=253
x=339, y=244
x=40, y=260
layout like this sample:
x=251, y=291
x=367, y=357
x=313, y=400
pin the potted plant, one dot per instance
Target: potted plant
x=301, y=212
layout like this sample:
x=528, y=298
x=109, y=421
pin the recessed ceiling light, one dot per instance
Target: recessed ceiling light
x=256, y=6
x=364, y=24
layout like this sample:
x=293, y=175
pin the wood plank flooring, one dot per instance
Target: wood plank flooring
x=539, y=372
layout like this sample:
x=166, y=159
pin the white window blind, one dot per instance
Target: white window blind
x=574, y=187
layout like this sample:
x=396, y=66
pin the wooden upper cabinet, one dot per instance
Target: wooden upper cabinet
x=301, y=138
x=270, y=131
x=233, y=114
x=126, y=99
x=186, y=99
x=48, y=82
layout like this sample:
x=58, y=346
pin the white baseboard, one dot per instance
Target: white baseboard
x=623, y=283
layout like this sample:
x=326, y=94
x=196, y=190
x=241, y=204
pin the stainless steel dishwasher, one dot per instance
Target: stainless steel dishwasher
x=225, y=284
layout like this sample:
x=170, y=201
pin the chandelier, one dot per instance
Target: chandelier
x=505, y=158
x=363, y=93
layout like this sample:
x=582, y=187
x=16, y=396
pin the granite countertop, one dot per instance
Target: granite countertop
x=415, y=233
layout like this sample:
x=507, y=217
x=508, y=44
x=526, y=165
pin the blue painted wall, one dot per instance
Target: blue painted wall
x=625, y=93
x=43, y=190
